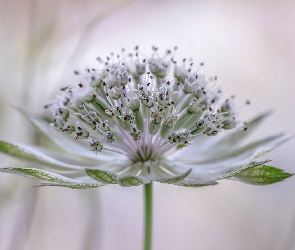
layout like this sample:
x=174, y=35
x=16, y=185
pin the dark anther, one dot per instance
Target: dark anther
x=80, y=85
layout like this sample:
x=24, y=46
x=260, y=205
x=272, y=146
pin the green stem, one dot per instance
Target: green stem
x=148, y=212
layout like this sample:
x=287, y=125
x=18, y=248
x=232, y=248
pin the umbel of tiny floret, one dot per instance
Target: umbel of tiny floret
x=141, y=118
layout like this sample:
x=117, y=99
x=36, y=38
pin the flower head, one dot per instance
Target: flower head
x=142, y=118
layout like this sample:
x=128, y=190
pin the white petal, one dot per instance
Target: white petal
x=66, y=143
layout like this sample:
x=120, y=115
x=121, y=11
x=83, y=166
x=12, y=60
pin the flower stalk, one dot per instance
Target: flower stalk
x=148, y=214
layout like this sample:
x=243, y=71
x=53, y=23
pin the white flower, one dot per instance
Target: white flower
x=139, y=119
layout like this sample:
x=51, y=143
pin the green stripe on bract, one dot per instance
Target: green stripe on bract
x=200, y=183
x=15, y=151
x=84, y=185
x=40, y=174
x=262, y=175
x=251, y=165
x=55, y=179
x=131, y=181
x=102, y=176
x=176, y=178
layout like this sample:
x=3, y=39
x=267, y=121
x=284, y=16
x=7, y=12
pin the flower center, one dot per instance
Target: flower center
x=143, y=109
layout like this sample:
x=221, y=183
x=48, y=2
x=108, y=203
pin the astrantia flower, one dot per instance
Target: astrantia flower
x=139, y=119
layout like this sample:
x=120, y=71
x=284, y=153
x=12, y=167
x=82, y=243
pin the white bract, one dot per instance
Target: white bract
x=138, y=119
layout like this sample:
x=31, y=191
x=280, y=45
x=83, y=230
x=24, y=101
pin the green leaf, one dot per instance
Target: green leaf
x=176, y=178
x=262, y=175
x=55, y=179
x=102, y=176
x=132, y=181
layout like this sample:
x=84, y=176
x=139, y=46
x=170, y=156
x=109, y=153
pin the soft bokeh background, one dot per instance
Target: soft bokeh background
x=249, y=45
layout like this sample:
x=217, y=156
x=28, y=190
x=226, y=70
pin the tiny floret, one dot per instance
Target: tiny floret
x=140, y=118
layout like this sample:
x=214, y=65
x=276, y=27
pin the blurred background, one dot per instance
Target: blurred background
x=249, y=45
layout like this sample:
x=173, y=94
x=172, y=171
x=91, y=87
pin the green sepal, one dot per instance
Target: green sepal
x=125, y=125
x=154, y=127
x=182, y=118
x=138, y=120
x=165, y=130
x=130, y=181
x=192, y=120
x=262, y=175
x=145, y=111
x=176, y=178
x=102, y=176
